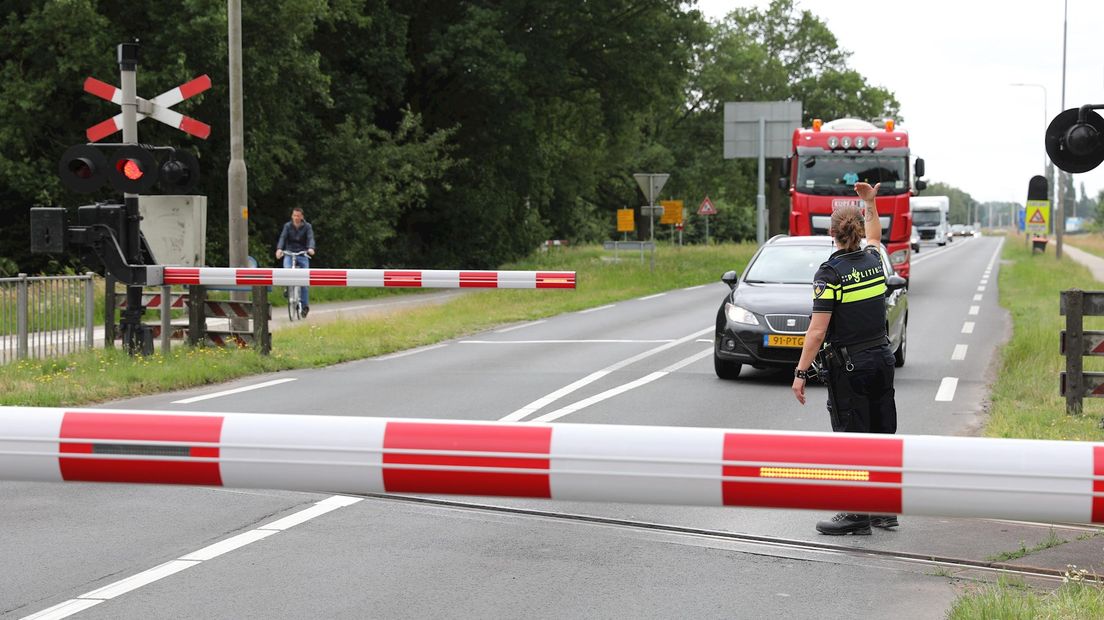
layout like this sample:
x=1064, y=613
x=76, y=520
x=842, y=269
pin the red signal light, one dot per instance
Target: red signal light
x=130, y=168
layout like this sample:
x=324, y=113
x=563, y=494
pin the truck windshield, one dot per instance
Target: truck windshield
x=835, y=175
x=926, y=218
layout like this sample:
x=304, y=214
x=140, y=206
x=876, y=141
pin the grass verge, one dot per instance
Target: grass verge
x=1012, y=599
x=97, y=376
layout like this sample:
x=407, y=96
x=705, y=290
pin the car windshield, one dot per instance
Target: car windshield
x=926, y=218
x=836, y=175
x=794, y=264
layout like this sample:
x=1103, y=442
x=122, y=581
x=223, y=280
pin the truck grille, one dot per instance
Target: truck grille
x=788, y=323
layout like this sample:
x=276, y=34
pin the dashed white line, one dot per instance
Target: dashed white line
x=694, y=288
x=974, y=310
x=978, y=297
x=589, y=310
x=981, y=289
x=946, y=390
x=522, y=326
x=651, y=296
x=580, y=341
x=968, y=327
x=146, y=577
x=196, y=399
x=959, y=352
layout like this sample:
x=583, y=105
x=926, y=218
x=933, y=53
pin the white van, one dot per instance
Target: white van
x=929, y=215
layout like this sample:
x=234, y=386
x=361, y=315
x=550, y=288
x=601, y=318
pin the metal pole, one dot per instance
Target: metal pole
x=651, y=219
x=1059, y=210
x=166, y=320
x=761, y=197
x=236, y=174
x=89, y=310
x=1075, y=348
x=21, y=317
x=128, y=78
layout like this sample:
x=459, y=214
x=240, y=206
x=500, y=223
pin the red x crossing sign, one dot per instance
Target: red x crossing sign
x=157, y=108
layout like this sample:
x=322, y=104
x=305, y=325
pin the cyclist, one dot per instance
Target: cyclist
x=297, y=236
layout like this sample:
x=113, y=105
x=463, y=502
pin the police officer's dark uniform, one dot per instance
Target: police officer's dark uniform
x=856, y=358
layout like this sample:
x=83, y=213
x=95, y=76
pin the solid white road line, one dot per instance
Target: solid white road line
x=393, y=356
x=589, y=310
x=621, y=389
x=974, y=310
x=968, y=327
x=651, y=297
x=522, y=326
x=598, y=374
x=129, y=584
x=959, y=352
x=946, y=390
x=248, y=388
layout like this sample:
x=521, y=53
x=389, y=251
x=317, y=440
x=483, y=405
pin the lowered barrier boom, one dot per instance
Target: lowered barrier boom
x=402, y=278
x=892, y=474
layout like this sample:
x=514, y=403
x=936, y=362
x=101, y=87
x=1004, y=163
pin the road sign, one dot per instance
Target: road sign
x=649, y=210
x=707, y=208
x=626, y=221
x=156, y=108
x=672, y=212
x=1038, y=216
x=651, y=184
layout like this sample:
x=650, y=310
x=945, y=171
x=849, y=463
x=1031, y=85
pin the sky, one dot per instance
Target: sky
x=951, y=65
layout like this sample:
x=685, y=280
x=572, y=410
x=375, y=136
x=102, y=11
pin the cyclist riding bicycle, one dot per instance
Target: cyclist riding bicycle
x=297, y=236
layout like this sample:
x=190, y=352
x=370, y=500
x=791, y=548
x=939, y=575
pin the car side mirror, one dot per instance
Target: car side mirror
x=895, y=282
x=731, y=279
x=921, y=185
x=919, y=166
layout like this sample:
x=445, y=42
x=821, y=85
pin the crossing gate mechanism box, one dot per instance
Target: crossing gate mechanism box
x=175, y=228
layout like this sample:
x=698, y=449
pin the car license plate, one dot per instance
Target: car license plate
x=779, y=340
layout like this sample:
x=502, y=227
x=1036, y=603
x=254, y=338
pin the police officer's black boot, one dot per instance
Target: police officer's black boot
x=884, y=521
x=845, y=523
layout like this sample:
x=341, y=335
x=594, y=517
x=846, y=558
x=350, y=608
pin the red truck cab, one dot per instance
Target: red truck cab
x=826, y=162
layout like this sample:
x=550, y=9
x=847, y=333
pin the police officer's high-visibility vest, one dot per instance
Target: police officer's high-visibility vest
x=852, y=286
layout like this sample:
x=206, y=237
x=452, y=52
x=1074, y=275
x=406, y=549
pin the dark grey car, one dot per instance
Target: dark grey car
x=763, y=321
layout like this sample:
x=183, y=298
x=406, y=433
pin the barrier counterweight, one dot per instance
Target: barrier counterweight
x=403, y=278
x=916, y=475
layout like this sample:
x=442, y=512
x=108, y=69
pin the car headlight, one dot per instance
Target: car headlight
x=736, y=314
x=899, y=257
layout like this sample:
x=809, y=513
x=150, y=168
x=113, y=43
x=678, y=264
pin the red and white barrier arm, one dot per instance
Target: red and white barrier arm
x=893, y=474
x=404, y=278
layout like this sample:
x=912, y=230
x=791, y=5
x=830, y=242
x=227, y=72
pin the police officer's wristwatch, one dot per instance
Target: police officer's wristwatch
x=801, y=374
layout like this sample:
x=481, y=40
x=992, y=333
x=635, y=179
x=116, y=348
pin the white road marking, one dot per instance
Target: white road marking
x=589, y=310
x=522, y=326
x=984, y=281
x=959, y=352
x=651, y=296
x=393, y=356
x=981, y=289
x=596, y=375
x=978, y=296
x=621, y=389
x=946, y=390
x=694, y=288
x=974, y=310
x=968, y=327
x=248, y=388
x=129, y=584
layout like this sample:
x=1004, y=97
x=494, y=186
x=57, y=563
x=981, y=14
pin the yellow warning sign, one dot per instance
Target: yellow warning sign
x=672, y=212
x=625, y=220
x=1037, y=217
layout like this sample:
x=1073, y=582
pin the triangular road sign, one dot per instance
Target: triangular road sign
x=1037, y=218
x=707, y=207
x=650, y=184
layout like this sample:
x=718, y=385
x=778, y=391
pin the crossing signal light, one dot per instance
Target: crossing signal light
x=1075, y=139
x=130, y=169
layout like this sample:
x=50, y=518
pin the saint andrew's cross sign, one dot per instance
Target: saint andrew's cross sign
x=157, y=108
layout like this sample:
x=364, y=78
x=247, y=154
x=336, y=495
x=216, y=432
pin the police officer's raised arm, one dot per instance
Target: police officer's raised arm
x=872, y=224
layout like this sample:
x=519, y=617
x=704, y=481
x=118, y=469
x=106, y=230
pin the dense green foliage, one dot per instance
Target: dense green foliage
x=427, y=134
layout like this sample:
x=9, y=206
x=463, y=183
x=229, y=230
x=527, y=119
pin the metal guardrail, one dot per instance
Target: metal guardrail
x=44, y=316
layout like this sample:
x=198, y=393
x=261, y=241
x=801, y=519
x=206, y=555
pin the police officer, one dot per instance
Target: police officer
x=849, y=319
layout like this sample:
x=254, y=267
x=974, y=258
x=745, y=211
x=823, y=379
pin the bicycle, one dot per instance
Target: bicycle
x=294, y=292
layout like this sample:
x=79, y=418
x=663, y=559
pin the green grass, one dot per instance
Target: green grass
x=1051, y=540
x=97, y=376
x=1025, y=398
x=1011, y=599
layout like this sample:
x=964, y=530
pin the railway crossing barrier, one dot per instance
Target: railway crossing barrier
x=1050, y=481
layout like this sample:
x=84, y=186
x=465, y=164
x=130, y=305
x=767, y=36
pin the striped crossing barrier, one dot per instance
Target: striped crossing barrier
x=405, y=278
x=917, y=475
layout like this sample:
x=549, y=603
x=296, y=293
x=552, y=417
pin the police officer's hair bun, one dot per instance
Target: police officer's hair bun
x=847, y=227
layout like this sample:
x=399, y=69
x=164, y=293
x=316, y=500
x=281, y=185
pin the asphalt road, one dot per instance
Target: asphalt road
x=142, y=552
